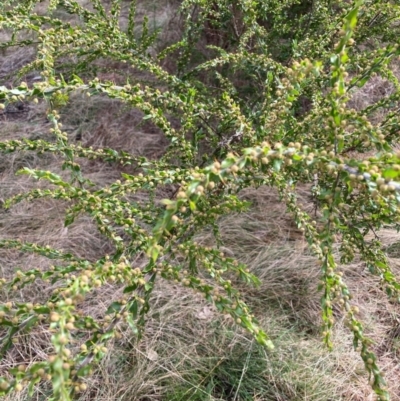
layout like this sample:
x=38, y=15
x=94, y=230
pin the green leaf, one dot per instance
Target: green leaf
x=277, y=163
x=69, y=219
x=352, y=16
x=31, y=322
x=114, y=307
x=390, y=173
x=153, y=252
x=192, y=205
x=130, y=288
x=193, y=264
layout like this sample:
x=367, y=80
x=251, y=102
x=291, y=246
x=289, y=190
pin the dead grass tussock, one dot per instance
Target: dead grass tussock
x=274, y=250
x=101, y=122
x=185, y=355
x=14, y=60
x=373, y=91
x=377, y=88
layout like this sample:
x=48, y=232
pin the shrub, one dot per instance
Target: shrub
x=253, y=94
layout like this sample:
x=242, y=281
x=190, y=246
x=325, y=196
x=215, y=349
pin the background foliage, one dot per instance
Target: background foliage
x=251, y=94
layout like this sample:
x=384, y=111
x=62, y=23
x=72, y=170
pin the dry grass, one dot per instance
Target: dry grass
x=376, y=88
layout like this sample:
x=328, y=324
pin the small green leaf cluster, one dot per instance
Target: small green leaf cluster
x=269, y=104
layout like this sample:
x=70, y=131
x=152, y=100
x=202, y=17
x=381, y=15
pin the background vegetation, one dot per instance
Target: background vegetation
x=185, y=186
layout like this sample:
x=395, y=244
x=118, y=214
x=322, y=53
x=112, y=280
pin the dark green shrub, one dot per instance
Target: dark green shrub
x=270, y=105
